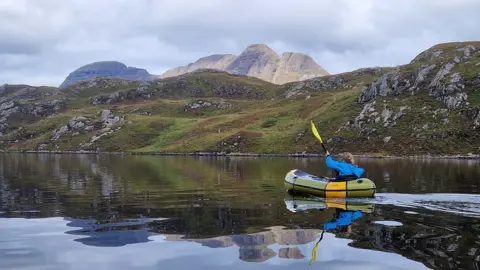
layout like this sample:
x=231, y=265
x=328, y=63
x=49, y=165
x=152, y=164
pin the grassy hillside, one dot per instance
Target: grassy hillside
x=430, y=105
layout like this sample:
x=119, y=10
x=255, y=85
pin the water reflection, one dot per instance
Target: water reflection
x=136, y=212
x=114, y=234
x=254, y=247
x=345, y=212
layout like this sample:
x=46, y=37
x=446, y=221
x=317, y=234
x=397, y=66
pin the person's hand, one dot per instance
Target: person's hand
x=328, y=153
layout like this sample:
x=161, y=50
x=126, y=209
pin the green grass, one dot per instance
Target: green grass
x=265, y=121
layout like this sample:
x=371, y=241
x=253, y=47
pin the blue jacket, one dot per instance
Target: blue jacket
x=343, y=168
x=345, y=218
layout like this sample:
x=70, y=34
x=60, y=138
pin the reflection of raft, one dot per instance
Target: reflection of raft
x=302, y=182
x=298, y=204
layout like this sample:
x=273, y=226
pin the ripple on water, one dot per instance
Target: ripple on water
x=388, y=223
x=460, y=204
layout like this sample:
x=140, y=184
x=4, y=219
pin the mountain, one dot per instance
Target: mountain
x=430, y=105
x=260, y=61
x=215, y=61
x=107, y=69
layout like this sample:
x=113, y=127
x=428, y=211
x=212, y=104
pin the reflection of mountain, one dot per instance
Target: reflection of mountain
x=215, y=199
x=114, y=234
x=254, y=247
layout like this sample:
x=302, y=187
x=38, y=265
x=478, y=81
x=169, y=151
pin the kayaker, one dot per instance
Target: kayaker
x=345, y=169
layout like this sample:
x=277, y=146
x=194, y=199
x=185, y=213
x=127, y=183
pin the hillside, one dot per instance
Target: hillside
x=260, y=61
x=428, y=106
x=106, y=69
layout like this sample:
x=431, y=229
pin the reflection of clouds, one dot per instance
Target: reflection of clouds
x=48, y=247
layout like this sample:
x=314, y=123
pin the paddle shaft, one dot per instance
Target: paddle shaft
x=324, y=148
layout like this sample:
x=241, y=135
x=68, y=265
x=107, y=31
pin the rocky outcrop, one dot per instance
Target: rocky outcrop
x=75, y=126
x=316, y=85
x=386, y=116
x=438, y=87
x=446, y=84
x=260, y=61
x=185, y=86
x=80, y=124
x=10, y=92
x=427, y=55
x=201, y=104
x=34, y=110
x=106, y=69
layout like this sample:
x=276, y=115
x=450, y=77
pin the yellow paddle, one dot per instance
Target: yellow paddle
x=315, y=132
x=314, y=250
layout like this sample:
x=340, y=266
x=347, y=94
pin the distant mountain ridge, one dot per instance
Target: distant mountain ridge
x=260, y=61
x=106, y=69
x=257, y=60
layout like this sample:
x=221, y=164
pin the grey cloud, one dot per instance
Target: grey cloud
x=51, y=38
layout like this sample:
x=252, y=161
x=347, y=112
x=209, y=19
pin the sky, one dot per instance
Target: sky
x=42, y=41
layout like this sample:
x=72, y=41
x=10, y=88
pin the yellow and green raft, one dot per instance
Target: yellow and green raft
x=302, y=182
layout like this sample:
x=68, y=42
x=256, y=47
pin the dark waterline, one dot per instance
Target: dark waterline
x=163, y=212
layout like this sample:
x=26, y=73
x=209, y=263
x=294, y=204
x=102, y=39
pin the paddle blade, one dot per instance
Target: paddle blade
x=315, y=131
x=314, y=250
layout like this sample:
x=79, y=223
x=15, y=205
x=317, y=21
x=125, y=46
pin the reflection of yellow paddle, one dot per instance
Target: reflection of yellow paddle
x=314, y=251
x=315, y=132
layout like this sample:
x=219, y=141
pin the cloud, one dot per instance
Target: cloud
x=42, y=41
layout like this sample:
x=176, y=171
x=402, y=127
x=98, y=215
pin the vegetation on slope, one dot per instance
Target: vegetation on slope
x=430, y=105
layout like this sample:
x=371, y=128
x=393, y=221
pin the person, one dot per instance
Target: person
x=345, y=169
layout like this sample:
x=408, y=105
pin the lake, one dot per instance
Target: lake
x=164, y=212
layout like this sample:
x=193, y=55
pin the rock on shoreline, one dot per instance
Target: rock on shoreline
x=215, y=154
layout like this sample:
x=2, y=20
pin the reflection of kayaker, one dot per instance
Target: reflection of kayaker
x=342, y=218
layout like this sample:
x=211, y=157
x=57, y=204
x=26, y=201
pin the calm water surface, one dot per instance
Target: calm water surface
x=146, y=212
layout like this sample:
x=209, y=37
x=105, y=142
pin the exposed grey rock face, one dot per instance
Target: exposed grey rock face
x=476, y=120
x=316, y=84
x=467, y=51
x=215, y=61
x=438, y=87
x=36, y=109
x=427, y=56
x=383, y=89
x=74, y=126
x=180, y=87
x=108, y=118
x=80, y=124
x=3, y=89
x=207, y=104
x=106, y=69
x=368, y=93
x=260, y=61
x=454, y=102
x=421, y=78
x=365, y=116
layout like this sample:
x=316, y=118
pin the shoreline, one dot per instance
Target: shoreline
x=235, y=154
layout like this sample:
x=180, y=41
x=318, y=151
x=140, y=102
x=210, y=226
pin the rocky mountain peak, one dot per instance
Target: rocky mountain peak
x=107, y=69
x=259, y=47
x=212, y=62
x=260, y=61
